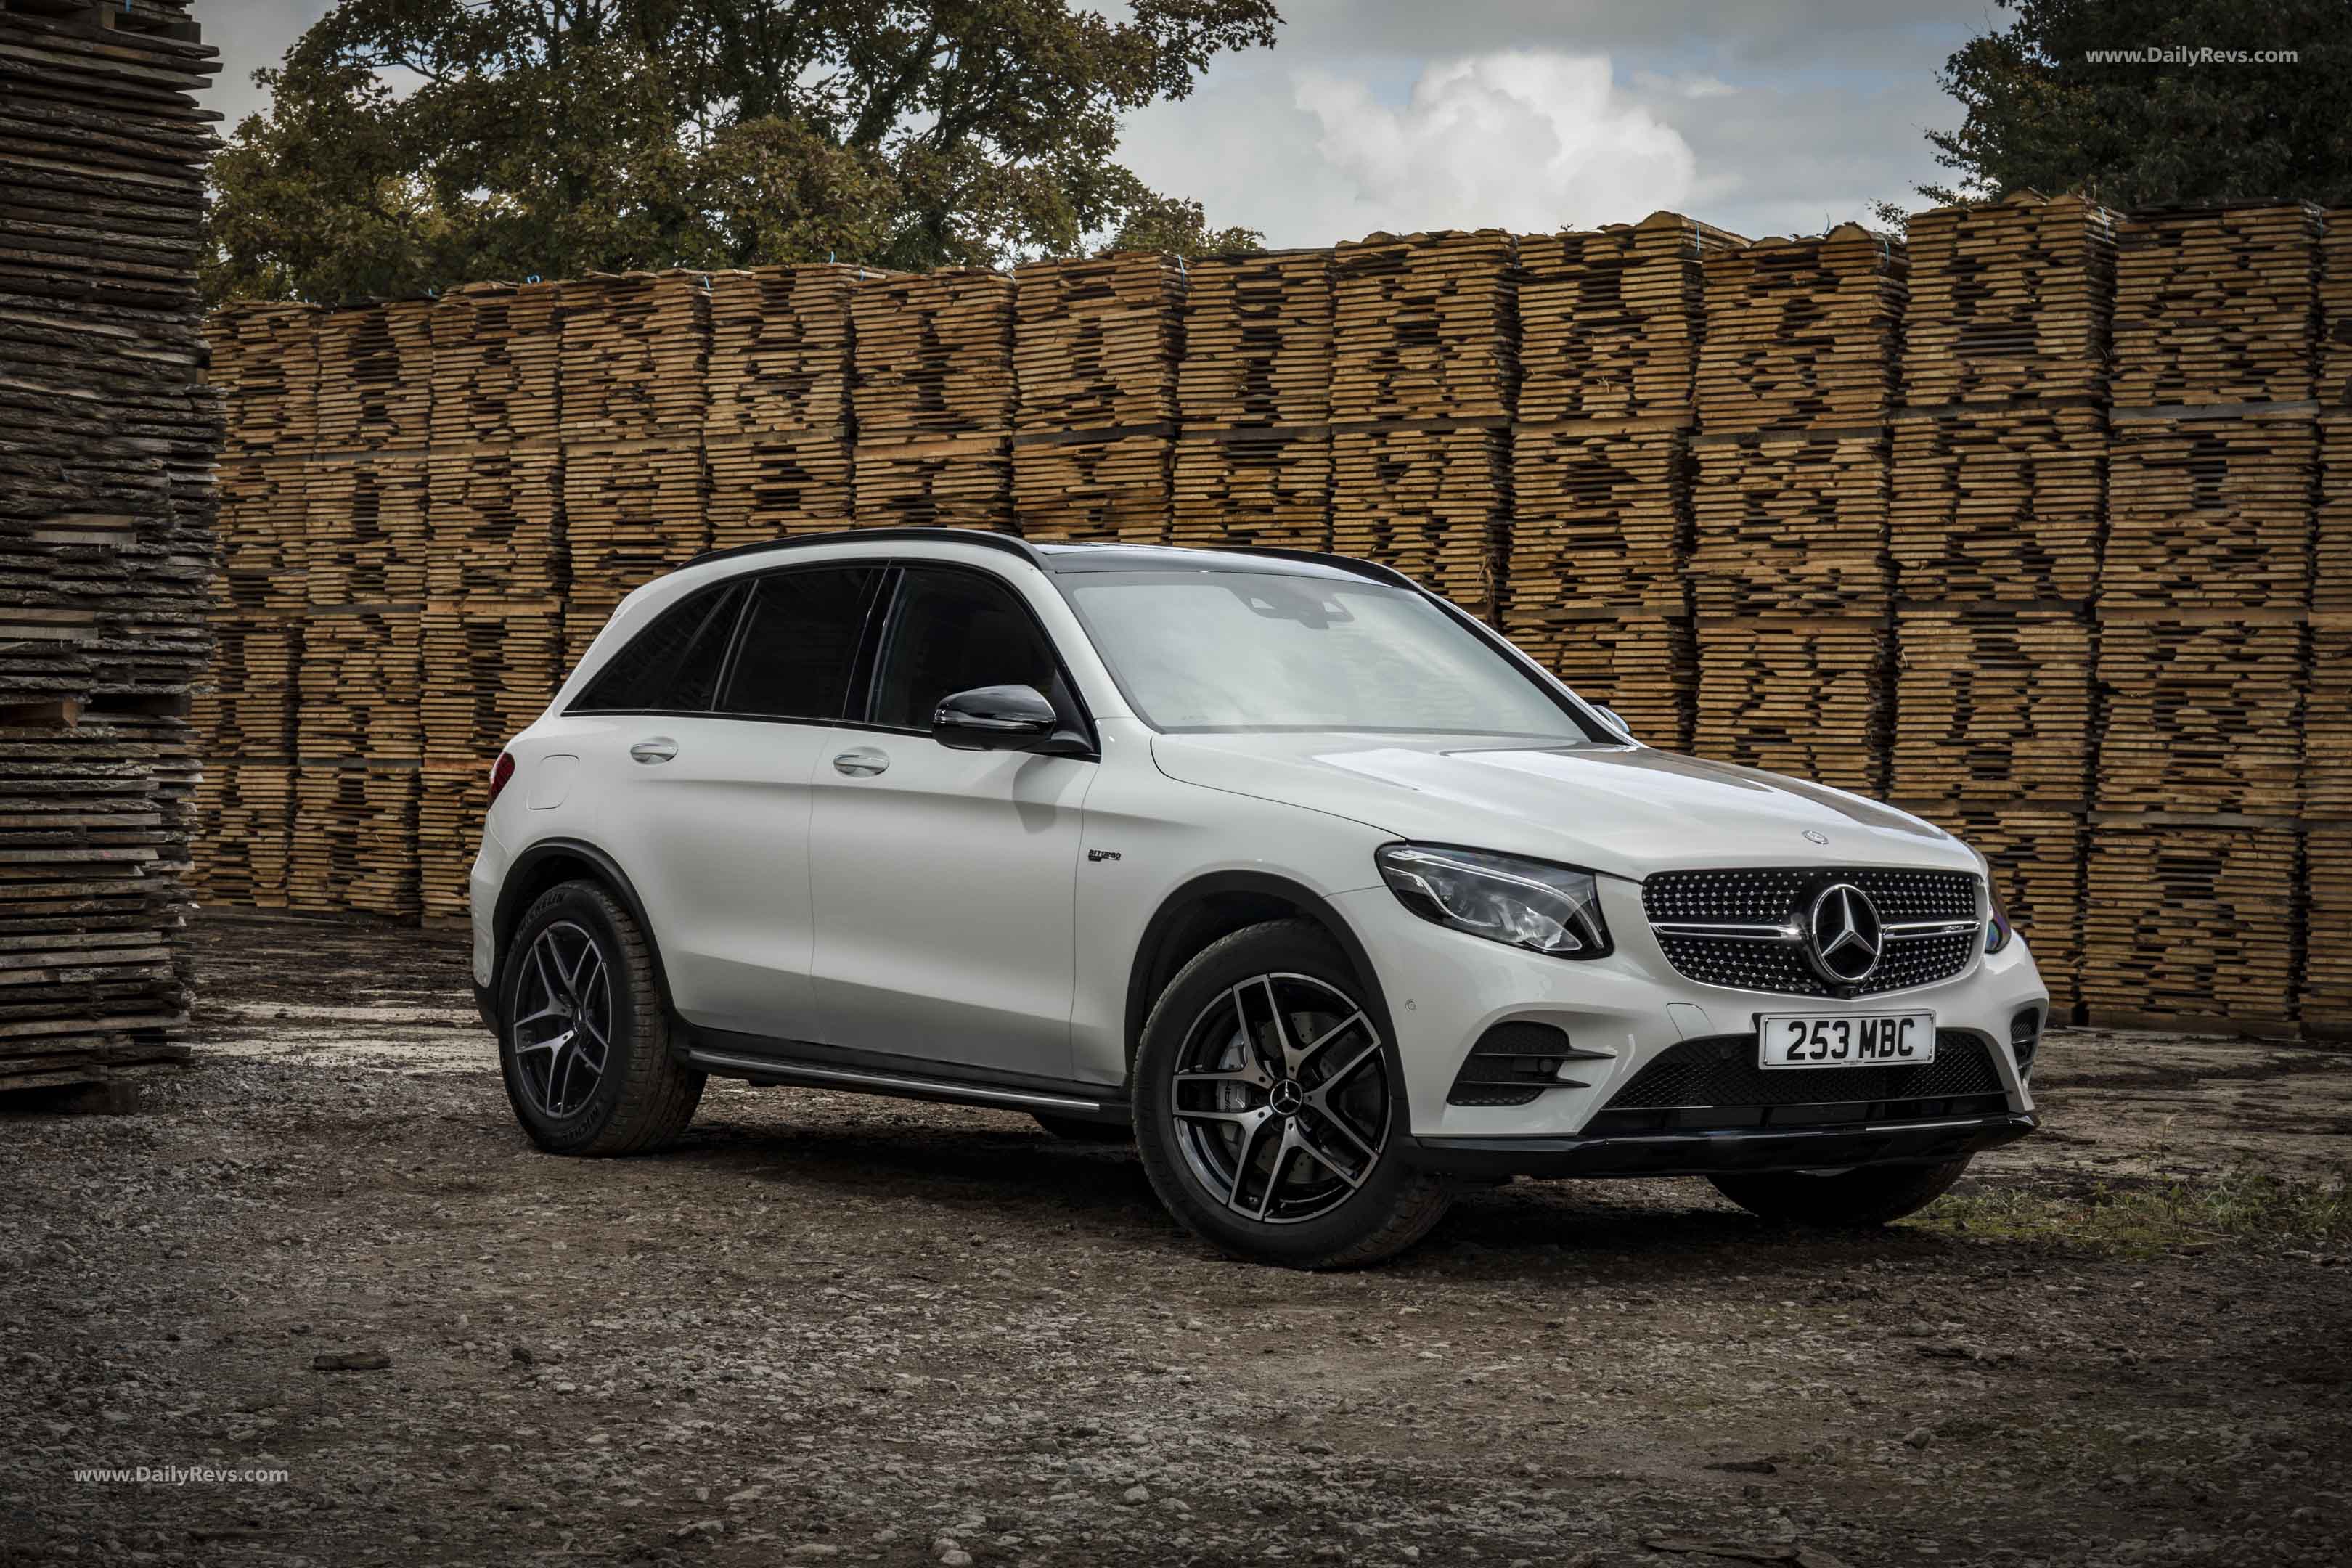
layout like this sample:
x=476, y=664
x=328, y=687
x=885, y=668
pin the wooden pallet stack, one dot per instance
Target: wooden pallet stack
x=2205, y=596
x=1095, y=347
x=1598, y=581
x=1425, y=378
x=629, y=408
x=776, y=434
x=931, y=394
x=107, y=512
x=1252, y=462
x=1791, y=572
x=1996, y=513
x=2325, y=998
x=490, y=635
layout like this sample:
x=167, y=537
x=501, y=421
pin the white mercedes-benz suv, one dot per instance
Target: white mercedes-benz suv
x=1333, y=897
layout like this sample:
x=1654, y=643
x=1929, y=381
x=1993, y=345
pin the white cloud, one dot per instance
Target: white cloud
x=1522, y=140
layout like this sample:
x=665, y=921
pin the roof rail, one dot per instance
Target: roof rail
x=1361, y=568
x=980, y=536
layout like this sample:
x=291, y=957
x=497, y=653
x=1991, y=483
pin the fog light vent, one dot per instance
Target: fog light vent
x=2025, y=1039
x=1513, y=1063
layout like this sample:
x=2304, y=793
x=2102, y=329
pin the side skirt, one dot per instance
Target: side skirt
x=767, y=1063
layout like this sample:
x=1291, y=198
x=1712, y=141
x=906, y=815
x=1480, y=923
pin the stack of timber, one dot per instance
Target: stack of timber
x=2324, y=999
x=2205, y=604
x=1252, y=462
x=375, y=377
x=1598, y=583
x=776, y=432
x=1790, y=569
x=491, y=628
x=630, y=408
x=931, y=395
x=1423, y=378
x=1995, y=521
x=108, y=440
x=1094, y=346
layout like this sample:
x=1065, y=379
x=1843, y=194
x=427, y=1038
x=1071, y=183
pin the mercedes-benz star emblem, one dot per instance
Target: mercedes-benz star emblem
x=1844, y=934
x=1816, y=835
x=1286, y=1097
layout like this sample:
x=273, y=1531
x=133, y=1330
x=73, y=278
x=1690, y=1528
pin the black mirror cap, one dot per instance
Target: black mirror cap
x=1003, y=719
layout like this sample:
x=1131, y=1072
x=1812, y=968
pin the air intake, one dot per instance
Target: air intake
x=1513, y=1063
x=2025, y=1039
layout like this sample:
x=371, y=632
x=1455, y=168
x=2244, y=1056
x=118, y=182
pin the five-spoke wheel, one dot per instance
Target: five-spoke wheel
x=562, y=1022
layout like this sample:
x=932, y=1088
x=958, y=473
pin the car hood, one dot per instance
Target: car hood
x=1626, y=810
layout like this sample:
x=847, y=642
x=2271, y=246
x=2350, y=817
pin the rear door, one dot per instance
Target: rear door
x=710, y=811
x=944, y=880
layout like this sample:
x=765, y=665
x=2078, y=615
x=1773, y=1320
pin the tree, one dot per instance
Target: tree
x=2051, y=105
x=417, y=144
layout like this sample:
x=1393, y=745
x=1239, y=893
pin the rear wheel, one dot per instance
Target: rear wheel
x=1866, y=1195
x=583, y=1042
x=1267, y=1110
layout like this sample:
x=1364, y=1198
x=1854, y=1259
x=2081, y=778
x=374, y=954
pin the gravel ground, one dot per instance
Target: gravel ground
x=837, y=1329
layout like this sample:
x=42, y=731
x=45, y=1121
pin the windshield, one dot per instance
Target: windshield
x=1252, y=650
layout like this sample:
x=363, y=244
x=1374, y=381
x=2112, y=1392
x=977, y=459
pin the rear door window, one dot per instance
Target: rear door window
x=800, y=640
x=673, y=665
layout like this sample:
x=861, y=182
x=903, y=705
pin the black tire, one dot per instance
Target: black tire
x=1072, y=1129
x=1316, y=1216
x=1866, y=1195
x=639, y=1099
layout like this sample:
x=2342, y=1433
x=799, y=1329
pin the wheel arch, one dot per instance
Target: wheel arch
x=549, y=863
x=1217, y=904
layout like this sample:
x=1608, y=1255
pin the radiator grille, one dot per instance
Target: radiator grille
x=1783, y=896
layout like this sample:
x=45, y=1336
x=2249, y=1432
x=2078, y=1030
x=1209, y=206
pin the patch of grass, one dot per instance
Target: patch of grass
x=2239, y=1203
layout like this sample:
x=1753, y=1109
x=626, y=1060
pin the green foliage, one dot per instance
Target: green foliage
x=2043, y=115
x=417, y=144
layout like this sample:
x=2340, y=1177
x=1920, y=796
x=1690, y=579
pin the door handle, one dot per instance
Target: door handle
x=863, y=763
x=657, y=749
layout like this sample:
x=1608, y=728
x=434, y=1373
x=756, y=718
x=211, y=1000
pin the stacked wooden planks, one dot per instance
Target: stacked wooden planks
x=630, y=410
x=1095, y=348
x=776, y=434
x=1252, y=463
x=1996, y=509
x=1791, y=570
x=931, y=394
x=107, y=512
x=1598, y=579
x=2323, y=1000
x=1423, y=379
x=2205, y=599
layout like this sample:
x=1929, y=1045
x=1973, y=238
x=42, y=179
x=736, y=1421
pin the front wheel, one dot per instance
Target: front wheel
x=1866, y=1195
x=583, y=1039
x=1268, y=1111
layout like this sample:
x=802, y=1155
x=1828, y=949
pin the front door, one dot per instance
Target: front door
x=943, y=880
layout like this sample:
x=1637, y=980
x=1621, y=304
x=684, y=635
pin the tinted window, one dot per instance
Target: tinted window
x=800, y=638
x=673, y=664
x=951, y=631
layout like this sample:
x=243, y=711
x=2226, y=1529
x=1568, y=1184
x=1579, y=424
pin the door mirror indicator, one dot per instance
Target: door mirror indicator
x=1005, y=719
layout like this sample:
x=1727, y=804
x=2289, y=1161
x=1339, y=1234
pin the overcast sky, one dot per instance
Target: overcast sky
x=1762, y=116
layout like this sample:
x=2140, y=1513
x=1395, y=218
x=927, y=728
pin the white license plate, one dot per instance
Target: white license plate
x=1846, y=1040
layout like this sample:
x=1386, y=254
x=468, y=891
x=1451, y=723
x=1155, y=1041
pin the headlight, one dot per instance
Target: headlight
x=1998, y=930
x=1525, y=903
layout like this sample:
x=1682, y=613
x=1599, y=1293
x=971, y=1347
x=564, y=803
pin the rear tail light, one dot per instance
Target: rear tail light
x=499, y=773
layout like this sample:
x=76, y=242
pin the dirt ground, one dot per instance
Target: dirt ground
x=837, y=1329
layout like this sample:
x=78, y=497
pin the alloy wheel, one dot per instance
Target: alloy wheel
x=1281, y=1098
x=563, y=1022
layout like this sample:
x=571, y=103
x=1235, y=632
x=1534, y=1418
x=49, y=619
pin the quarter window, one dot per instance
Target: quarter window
x=671, y=666
x=951, y=631
x=800, y=638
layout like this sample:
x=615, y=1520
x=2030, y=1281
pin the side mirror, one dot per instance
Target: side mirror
x=1003, y=719
x=1616, y=721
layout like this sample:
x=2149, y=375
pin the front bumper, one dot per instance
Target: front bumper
x=1446, y=989
x=1721, y=1152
